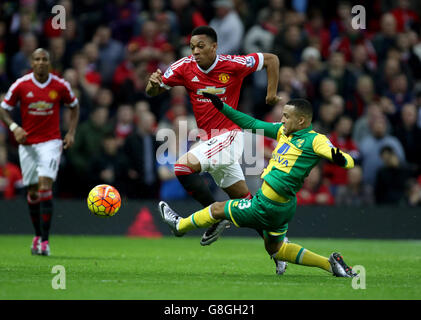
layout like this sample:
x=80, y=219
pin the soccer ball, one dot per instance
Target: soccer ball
x=104, y=200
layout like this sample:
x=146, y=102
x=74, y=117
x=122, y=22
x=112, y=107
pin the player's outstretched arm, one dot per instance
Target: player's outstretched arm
x=243, y=120
x=153, y=88
x=324, y=148
x=271, y=64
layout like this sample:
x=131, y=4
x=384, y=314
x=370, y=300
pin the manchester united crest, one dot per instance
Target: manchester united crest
x=224, y=78
x=53, y=94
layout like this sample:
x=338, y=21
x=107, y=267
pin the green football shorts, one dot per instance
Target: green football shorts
x=261, y=213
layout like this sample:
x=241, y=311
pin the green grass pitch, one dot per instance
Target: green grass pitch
x=180, y=269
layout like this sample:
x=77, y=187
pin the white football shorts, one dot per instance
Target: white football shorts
x=40, y=160
x=220, y=157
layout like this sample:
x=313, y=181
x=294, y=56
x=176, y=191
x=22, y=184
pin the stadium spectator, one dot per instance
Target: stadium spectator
x=406, y=18
x=188, y=18
x=361, y=64
x=110, y=55
x=409, y=134
x=73, y=36
x=289, y=45
x=392, y=179
x=10, y=176
x=318, y=35
x=87, y=146
x=326, y=118
x=341, y=138
x=414, y=192
x=399, y=94
x=386, y=38
x=339, y=23
x=315, y=191
x=289, y=83
x=414, y=56
x=80, y=92
x=337, y=70
x=90, y=50
x=166, y=19
x=365, y=94
x=390, y=68
x=312, y=60
x=150, y=45
x=21, y=61
x=371, y=146
x=121, y=17
x=170, y=188
x=361, y=127
x=140, y=148
x=349, y=39
x=355, y=192
x=272, y=6
x=4, y=79
x=328, y=89
x=128, y=79
x=110, y=165
x=88, y=78
x=57, y=48
x=124, y=123
x=228, y=26
x=260, y=37
x=104, y=98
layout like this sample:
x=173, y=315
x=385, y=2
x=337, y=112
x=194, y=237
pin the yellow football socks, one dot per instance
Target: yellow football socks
x=295, y=253
x=200, y=219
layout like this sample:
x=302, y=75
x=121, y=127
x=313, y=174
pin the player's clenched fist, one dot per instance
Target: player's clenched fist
x=68, y=140
x=272, y=100
x=156, y=78
x=20, y=135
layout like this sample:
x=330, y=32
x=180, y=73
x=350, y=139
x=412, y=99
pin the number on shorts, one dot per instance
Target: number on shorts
x=53, y=164
x=244, y=204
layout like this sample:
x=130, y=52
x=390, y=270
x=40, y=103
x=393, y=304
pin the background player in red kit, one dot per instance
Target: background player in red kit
x=40, y=95
x=218, y=154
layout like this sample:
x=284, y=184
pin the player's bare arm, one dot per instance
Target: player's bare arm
x=69, y=138
x=271, y=64
x=153, y=87
x=18, y=132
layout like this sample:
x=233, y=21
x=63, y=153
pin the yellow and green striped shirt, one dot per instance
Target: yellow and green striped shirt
x=294, y=156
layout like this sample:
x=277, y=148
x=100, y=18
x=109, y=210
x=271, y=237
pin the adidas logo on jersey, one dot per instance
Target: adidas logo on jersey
x=195, y=79
x=30, y=94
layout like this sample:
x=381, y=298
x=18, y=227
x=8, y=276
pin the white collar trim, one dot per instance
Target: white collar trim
x=211, y=67
x=39, y=84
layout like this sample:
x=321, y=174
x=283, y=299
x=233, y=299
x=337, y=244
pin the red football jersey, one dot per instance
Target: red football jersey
x=224, y=78
x=40, y=105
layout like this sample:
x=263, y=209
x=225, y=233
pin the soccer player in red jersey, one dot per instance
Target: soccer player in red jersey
x=40, y=95
x=222, y=140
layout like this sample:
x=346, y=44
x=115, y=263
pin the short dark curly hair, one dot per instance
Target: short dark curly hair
x=208, y=31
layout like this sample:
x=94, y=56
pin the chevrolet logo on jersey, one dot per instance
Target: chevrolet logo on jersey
x=212, y=90
x=40, y=105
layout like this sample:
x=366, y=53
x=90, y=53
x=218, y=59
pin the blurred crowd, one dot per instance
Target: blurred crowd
x=364, y=84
